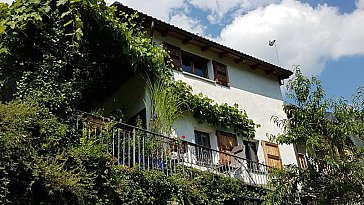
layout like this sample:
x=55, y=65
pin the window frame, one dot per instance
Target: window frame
x=203, y=153
x=205, y=133
x=194, y=59
x=252, y=164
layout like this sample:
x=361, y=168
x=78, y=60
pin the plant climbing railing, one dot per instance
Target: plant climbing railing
x=132, y=146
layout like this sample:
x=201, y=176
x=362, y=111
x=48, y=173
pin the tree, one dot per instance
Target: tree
x=68, y=54
x=330, y=130
x=61, y=55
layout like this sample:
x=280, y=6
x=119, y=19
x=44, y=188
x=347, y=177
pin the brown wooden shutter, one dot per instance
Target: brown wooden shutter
x=302, y=161
x=221, y=74
x=272, y=155
x=175, y=54
x=226, y=143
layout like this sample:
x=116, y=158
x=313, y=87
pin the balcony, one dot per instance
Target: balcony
x=132, y=146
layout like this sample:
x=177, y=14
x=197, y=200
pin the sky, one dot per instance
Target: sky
x=324, y=37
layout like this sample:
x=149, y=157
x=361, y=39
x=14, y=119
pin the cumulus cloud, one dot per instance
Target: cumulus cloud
x=171, y=11
x=187, y=23
x=155, y=8
x=219, y=8
x=305, y=35
x=359, y=4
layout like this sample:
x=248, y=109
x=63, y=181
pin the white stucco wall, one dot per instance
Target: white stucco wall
x=254, y=91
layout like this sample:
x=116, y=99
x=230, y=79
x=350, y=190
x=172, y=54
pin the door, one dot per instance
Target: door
x=272, y=155
x=226, y=143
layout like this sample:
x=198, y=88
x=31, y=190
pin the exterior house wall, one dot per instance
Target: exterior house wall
x=254, y=91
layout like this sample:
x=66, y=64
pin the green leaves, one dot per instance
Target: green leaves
x=71, y=54
x=325, y=128
x=189, y=186
x=68, y=23
x=205, y=110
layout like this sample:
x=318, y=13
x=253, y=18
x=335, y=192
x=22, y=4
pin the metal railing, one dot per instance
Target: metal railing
x=132, y=146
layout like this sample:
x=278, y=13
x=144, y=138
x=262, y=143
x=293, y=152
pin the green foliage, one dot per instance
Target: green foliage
x=70, y=53
x=43, y=161
x=165, y=106
x=189, y=186
x=32, y=156
x=285, y=184
x=60, y=55
x=205, y=110
x=326, y=128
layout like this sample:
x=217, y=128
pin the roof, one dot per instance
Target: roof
x=207, y=45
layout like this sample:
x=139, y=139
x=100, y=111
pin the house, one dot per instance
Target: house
x=226, y=76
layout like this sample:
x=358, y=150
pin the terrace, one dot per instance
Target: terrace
x=136, y=147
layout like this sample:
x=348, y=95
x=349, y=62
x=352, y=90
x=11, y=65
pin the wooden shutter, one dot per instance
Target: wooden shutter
x=302, y=161
x=226, y=143
x=221, y=74
x=175, y=54
x=272, y=155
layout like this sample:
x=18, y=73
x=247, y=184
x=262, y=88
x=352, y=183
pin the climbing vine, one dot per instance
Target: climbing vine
x=206, y=110
x=69, y=54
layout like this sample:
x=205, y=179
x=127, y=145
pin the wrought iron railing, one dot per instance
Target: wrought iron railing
x=132, y=146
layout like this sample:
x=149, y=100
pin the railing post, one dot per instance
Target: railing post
x=77, y=119
x=118, y=134
x=134, y=147
x=113, y=143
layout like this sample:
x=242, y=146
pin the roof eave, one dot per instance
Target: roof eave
x=238, y=56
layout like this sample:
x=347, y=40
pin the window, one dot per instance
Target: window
x=194, y=64
x=221, y=74
x=202, y=138
x=203, y=153
x=251, y=154
x=187, y=62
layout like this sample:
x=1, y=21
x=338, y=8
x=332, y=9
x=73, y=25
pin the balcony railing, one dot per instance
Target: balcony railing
x=132, y=146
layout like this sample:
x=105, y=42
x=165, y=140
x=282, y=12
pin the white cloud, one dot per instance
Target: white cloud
x=155, y=8
x=171, y=11
x=305, y=36
x=187, y=23
x=219, y=8
x=359, y=4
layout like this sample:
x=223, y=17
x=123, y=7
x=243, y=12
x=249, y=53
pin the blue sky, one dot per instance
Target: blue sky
x=324, y=37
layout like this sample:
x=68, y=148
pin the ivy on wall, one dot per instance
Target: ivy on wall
x=206, y=110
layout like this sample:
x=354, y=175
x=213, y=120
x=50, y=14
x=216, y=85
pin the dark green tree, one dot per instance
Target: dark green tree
x=67, y=53
x=332, y=132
